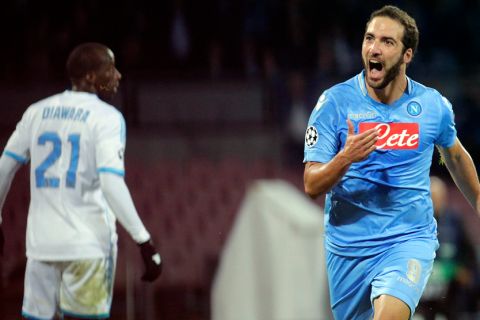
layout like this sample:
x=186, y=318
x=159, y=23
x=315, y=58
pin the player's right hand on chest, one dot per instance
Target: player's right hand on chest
x=359, y=146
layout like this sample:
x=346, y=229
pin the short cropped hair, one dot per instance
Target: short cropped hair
x=410, y=35
x=85, y=58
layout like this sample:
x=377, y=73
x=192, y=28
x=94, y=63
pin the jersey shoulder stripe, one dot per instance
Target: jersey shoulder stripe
x=111, y=170
x=15, y=156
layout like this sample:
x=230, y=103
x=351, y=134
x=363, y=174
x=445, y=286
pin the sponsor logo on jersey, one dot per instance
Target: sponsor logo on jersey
x=394, y=135
x=360, y=116
x=414, y=108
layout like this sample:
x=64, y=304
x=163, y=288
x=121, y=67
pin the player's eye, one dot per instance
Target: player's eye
x=389, y=42
x=368, y=38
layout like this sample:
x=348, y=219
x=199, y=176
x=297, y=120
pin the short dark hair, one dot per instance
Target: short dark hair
x=85, y=58
x=410, y=35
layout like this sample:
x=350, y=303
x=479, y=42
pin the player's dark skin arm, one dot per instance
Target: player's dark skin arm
x=319, y=178
x=463, y=171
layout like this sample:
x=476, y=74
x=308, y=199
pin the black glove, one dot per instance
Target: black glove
x=2, y=241
x=151, y=260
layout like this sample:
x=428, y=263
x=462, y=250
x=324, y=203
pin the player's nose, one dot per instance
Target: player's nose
x=375, y=48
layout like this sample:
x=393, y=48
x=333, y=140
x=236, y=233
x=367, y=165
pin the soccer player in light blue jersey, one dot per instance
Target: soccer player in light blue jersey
x=74, y=142
x=368, y=147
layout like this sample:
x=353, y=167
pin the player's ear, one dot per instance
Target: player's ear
x=408, y=56
x=91, y=77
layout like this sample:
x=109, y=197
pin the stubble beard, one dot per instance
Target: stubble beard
x=390, y=74
x=107, y=91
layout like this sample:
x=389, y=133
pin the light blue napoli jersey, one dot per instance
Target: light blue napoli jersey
x=385, y=198
x=69, y=139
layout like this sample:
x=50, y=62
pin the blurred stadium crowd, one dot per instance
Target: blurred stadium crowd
x=278, y=56
x=297, y=48
x=170, y=36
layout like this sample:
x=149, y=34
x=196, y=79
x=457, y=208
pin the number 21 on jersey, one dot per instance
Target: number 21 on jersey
x=71, y=175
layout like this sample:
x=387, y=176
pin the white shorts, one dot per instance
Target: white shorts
x=80, y=288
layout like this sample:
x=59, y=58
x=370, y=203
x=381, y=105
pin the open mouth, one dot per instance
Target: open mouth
x=375, y=65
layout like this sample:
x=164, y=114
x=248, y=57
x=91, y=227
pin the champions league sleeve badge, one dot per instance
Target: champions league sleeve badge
x=311, y=136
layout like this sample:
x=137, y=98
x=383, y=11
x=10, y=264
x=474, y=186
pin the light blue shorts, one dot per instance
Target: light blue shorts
x=401, y=271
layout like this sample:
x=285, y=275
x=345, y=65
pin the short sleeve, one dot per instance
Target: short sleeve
x=321, y=138
x=110, y=146
x=18, y=145
x=448, y=132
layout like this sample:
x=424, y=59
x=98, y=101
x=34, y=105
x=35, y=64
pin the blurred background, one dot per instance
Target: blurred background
x=216, y=95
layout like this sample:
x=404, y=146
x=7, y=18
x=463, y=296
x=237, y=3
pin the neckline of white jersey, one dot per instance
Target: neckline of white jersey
x=84, y=93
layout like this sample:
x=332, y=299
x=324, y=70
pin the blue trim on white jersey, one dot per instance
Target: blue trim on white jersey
x=30, y=317
x=111, y=170
x=86, y=316
x=15, y=156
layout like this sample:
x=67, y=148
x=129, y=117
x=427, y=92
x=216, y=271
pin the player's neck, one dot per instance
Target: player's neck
x=392, y=92
x=83, y=86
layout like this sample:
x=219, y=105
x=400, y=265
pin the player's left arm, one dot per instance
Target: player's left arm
x=462, y=169
x=15, y=154
x=8, y=168
x=118, y=197
x=110, y=148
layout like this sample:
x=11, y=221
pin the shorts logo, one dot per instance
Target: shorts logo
x=311, y=136
x=394, y=135
x=414, y=108
x=414, y=270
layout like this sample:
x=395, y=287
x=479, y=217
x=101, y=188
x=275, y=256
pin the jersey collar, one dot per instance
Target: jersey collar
x=80, y=93
x=363, y=86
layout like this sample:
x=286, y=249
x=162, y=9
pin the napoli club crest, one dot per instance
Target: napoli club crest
x=414, y=108
x=311, y=136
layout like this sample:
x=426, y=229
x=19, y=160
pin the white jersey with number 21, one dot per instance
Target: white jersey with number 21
x=69, y=138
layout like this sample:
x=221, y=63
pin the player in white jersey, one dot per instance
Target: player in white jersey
x=75, y=144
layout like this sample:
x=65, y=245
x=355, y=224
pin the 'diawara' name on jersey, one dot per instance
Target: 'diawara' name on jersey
x=69, y=139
